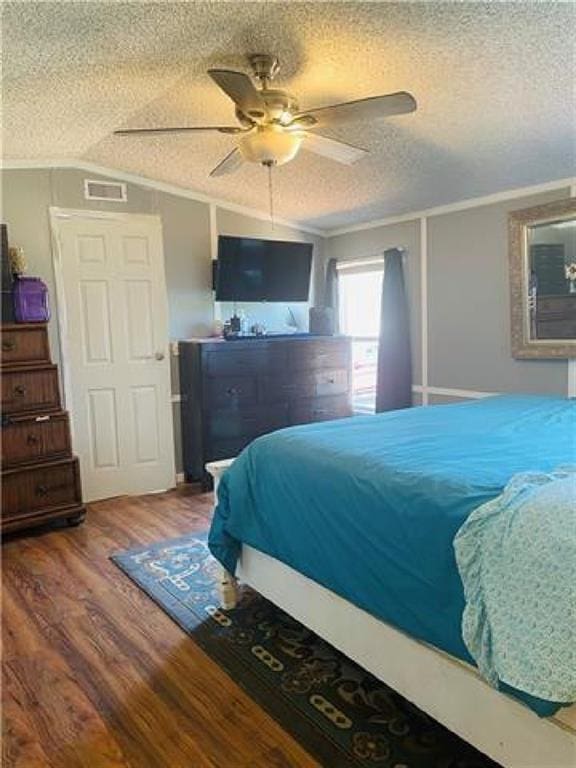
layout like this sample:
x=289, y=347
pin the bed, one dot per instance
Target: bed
x=349, y=526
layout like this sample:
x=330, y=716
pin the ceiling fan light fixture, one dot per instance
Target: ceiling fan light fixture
x=272, y=128
x=270, y=145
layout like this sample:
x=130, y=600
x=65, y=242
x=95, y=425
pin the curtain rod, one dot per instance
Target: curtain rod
x=366, y=260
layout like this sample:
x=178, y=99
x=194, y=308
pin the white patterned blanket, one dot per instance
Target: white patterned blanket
x=517, y=560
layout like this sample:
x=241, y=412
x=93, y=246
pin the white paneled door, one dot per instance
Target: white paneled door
x=114, y=328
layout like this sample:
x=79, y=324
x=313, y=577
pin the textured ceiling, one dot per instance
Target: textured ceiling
x=494, y=84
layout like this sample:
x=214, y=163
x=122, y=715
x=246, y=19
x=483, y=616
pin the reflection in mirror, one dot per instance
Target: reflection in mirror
x=551, y=252
x=542, y=242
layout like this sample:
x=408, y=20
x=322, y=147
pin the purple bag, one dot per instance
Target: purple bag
x=30, y=300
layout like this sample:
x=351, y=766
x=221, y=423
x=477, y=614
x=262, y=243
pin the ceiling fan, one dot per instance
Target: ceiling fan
x=271, y=128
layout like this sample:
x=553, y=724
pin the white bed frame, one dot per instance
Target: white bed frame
x=449, y=690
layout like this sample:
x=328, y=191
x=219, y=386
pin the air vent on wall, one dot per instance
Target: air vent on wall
x=113, y=191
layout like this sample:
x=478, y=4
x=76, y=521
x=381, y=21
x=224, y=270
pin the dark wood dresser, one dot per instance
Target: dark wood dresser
x=40, y=477
x=235, y=391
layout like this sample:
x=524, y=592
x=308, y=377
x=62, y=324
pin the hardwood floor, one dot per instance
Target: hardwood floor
x=96, y=675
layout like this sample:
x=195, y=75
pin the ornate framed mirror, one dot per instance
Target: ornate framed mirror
x=542, y=243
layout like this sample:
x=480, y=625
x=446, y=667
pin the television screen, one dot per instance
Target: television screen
x=262, y=270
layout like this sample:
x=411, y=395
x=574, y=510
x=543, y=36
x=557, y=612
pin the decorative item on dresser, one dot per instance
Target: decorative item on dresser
x=235, y=391
x=40, y=477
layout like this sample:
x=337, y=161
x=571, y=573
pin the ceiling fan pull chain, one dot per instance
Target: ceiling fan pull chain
x=270, y=195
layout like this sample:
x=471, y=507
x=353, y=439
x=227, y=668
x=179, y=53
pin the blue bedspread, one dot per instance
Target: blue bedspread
x=369, y=506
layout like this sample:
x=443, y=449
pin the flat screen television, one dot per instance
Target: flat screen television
x=262, y=270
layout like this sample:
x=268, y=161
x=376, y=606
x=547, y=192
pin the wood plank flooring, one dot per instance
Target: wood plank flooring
x=95, y=675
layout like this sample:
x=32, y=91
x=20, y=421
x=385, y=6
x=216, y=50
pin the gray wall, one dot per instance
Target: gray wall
x=468, y=298
x=468, y=314
x=28, y=194
x=469, y=305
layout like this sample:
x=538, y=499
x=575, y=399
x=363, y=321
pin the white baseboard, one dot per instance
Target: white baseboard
x=471, y=394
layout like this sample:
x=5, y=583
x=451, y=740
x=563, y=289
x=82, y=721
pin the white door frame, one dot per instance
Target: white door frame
x=61, y=314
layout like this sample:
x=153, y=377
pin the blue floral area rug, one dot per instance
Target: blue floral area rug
x=339, y=713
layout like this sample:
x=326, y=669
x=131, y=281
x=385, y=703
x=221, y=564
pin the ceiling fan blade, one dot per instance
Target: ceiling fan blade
x=183, y=129
x=231, y=163
x=334, y=150
x=362, y=109
x=240, y=88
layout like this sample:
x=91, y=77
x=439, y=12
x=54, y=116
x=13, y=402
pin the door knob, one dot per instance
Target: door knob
x=159, y=355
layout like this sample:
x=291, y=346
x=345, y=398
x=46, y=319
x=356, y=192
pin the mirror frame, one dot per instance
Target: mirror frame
x=523, y=347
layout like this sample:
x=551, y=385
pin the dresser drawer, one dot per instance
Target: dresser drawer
x=34, y=438
x=331, y=382
x=24, y=344
x=30, y=490
x=306, y=384
x=318, y=354
x=249, y=422
x=564, y=305
x=320, y=409
x=556, y=329
x=229, y=391
x=30, y=389
x=263, y=358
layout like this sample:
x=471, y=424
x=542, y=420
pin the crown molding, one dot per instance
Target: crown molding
x=160, y=186
x=472, y=202
x=173, y=189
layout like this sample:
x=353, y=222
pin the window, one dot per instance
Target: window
x=360, y=292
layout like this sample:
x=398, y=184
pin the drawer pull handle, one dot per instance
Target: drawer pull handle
x=32, y=440
x=43, y=490
x=20, y=389
x=8, y=345
x=331, y=381
x=232, y=391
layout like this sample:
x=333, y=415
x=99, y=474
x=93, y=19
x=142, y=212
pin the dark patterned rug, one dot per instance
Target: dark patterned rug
x=341, y=715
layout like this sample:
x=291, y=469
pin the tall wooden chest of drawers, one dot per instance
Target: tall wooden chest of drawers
x=235, y=391
x=40, y=476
